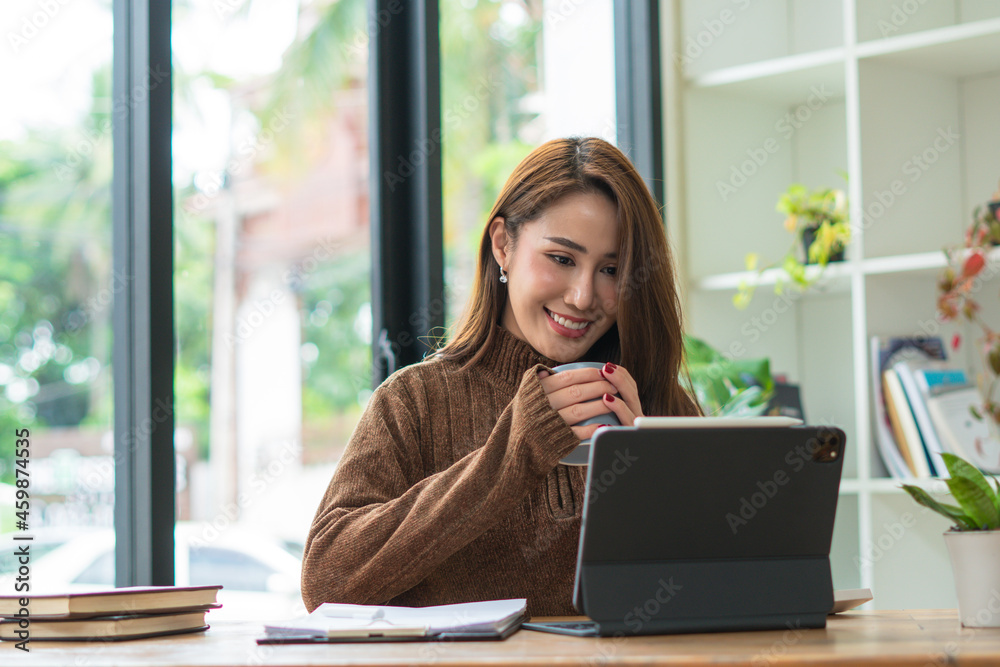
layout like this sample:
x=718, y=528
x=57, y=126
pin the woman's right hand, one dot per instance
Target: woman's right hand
x=576, y=395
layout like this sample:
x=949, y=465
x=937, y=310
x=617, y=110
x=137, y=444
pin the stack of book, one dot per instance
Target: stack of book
x=922, y=409
x=112, y=614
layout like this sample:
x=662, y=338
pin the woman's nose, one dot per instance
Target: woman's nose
x=581, y=293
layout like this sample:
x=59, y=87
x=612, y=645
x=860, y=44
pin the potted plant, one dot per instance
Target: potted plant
x=966, y=266
x=818, y=221
x=727, y=387
x=973, y=541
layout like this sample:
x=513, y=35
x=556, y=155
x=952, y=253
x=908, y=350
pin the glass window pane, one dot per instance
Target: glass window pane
x=514, y=74
x=272, y=288
x=57, y=283
x=231, y=569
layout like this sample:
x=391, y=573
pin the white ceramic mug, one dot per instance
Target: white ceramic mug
x=581, y=454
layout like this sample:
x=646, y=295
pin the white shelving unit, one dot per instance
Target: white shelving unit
x=905, y=98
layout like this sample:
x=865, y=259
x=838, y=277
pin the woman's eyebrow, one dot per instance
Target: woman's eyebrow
x=573, y=245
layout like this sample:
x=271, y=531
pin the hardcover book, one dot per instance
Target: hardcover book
x=115, y=627
x=130, y=600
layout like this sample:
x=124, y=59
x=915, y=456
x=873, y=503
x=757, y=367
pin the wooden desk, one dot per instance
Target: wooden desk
x=883, y=638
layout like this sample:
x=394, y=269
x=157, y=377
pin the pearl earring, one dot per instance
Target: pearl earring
x=503, y=276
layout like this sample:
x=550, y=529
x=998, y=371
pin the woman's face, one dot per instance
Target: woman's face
x=562, y=285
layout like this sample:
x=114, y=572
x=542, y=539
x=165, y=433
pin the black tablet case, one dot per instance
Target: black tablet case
x=709, y=529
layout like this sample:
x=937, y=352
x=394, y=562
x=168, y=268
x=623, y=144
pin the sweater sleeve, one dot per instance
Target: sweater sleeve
x=379, y=532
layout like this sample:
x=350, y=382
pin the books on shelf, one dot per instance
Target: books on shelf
x=116, y=627
x=904, y=427
x=493, y=619
x=922, y=410
x=886, y=352
x=906, y=370
x=932, y=381
x=961, y=433
x=116, y=613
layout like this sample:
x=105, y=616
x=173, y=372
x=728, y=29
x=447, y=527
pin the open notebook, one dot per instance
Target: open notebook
x=492, y=619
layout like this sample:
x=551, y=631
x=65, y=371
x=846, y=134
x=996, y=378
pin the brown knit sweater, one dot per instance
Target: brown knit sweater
x=451, y=490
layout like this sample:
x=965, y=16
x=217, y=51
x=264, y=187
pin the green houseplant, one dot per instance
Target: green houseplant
x=973, y=541
x=819, y=223
x=727, y=387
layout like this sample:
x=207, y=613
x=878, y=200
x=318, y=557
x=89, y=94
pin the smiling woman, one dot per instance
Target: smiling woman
x=451, y=489
x=560, y=294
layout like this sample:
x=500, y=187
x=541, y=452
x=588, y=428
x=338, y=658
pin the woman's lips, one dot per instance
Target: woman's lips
x=561, y=328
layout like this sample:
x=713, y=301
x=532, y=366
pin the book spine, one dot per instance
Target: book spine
x=897, y=431
x=908, y=424
x=918, y=404
x=888, y=446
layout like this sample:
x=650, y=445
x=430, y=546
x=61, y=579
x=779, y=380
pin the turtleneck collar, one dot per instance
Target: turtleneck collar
x=509, y=357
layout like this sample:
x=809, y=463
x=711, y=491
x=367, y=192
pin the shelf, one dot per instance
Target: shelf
x=835, y=279
x=965, y=50
x=891, y=97
x=933, y=486
x=837, y=275
x=788, y=80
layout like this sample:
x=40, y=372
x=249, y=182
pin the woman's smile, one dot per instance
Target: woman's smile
x=567, y=326
x=562, y=276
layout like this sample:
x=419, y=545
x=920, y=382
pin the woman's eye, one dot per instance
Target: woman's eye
x=559, y=259
x=611, y=270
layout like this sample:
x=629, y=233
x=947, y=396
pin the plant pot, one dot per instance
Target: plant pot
x=808, y=236
x=975, y=562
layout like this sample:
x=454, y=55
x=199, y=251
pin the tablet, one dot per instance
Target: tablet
x=715, y=422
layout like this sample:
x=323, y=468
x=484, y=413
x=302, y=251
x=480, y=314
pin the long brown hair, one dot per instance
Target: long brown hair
x=646, y=338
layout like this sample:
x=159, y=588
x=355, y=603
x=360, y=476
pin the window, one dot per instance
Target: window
x=513, y=75
x=57, y=284
x=272, y=261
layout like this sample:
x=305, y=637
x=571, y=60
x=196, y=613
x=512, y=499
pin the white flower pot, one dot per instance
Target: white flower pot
x=975, y=562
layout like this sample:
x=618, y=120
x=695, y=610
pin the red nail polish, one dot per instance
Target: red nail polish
x=609, y=398
x=609, y=368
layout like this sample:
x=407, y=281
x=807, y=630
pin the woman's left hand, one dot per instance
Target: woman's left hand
x=626, y=405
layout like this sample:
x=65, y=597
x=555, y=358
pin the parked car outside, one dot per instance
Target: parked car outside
x=260, y=578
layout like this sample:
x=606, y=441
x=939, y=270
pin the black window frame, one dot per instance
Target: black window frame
x=406, y=227
x=143, y=322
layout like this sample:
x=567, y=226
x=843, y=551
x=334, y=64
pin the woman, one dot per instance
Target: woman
x=450, y=489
